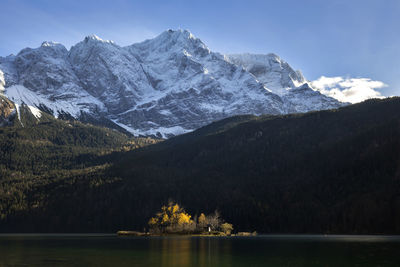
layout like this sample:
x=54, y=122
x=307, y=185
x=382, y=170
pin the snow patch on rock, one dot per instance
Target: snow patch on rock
x=2, y=81
x=21, y=95
x=35, y=112
x=17, y=107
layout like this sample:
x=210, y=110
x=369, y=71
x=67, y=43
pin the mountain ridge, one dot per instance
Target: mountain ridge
x=164, y=86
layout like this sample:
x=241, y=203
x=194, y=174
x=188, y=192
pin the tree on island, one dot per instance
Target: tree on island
x=173, y=219
x=227, y=228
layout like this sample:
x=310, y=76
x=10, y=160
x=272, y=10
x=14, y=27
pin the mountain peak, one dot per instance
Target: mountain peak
x=50, y=44
x=181, y=32
x=271, y=70
x=181, y=36
x=171, y=41
x=95, y=38
x=54, y=47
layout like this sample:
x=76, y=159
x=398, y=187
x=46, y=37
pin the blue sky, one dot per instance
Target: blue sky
x=349, y=39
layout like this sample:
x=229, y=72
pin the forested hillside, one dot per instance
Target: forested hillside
x=334, y=171
x=40, y=159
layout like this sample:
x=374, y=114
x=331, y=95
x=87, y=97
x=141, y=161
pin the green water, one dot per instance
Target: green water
x=110, y=250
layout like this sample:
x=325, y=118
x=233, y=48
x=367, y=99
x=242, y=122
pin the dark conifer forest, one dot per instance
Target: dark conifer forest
x=335, y=171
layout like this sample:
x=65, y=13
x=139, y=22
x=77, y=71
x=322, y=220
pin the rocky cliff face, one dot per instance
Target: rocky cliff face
x=164, y=86
x=270, y=70
x=7, y=111
x=281, y=79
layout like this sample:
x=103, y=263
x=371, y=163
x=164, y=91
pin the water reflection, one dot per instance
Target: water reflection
x=204, y=252
x=175, y=252
x=187, y=251
x=199, y=251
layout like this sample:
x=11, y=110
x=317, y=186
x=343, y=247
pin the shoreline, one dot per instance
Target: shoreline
x=288, y=237
x=214, y=234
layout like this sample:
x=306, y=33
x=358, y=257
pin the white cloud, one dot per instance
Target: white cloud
x=351, y=90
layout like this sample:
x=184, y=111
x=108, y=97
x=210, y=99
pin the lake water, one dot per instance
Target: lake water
x=275, y=250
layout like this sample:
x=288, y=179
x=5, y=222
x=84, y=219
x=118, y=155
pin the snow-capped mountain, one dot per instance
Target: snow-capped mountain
x=281, y=79
x=270, y=70
x=164, y=86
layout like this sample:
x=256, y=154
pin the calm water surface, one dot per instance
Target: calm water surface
x=110, y=250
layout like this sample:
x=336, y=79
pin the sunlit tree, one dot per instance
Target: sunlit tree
x=172, y=218
x=202, y=221
x=227, y=228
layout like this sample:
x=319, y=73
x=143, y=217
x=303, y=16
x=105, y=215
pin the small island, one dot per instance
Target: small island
x=174, y=220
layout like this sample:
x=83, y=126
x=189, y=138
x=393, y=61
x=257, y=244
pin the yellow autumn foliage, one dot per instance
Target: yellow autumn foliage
x=173, y=219
x=202, y=220
x=184, y=218
x=175, y=208
x=165, y=219
x=153, y=221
